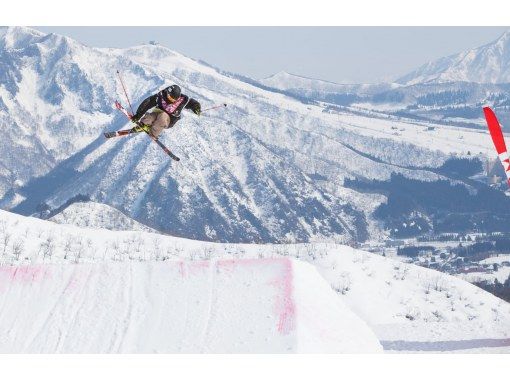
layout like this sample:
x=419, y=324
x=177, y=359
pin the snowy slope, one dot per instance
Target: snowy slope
x=486, y=64
x=225, y=306
x=410, y=308
x=97, y=215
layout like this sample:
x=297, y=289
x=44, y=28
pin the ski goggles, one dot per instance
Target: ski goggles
x=170, y=99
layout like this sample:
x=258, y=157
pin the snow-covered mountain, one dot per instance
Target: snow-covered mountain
x=304, y=86
x=266, y=168
x=55, y=96
x=69, y=289
x=486, y=64
x=450, y=90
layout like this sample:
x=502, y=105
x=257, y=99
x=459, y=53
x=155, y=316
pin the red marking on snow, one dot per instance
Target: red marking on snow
x=182, y=269
x=226, y=266
x=285, y=307
x=198, y=267
x=192, y=268
x=23, y=274
x=284, y=302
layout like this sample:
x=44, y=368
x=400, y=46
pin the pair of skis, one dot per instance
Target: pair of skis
x=137, y=129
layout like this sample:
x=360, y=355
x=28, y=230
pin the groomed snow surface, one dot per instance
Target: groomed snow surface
x=242, y=306
x=66, y=289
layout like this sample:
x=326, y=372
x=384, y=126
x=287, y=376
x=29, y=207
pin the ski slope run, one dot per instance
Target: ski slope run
x=226, y=306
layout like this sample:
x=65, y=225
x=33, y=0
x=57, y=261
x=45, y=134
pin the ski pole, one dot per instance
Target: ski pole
x=213, y=108
x=125, y=92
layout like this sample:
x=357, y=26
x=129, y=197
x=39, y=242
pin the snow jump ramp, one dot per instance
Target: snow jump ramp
x=225, y=306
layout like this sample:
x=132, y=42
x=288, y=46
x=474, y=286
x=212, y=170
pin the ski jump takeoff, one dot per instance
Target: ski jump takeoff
x=158, y=112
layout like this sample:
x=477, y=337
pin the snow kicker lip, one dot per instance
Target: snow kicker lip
x=217, y=306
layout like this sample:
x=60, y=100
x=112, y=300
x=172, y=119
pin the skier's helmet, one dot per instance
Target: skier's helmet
x=173, y=93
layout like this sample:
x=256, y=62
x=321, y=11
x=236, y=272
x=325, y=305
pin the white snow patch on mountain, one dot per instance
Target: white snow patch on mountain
x=97, y=215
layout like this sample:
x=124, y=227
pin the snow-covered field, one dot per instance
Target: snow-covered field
x=70, y=289
x=501, y=275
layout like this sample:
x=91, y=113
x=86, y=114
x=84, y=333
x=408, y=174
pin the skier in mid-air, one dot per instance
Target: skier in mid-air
x=165, y=109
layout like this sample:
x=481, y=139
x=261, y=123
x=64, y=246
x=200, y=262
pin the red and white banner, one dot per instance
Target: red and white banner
x=498, y=140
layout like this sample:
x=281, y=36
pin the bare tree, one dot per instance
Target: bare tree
x=401, y=272
x=78, y=253
x=411, y=313
x=299, y=251
x=68, y=246
x=156, y=248
x=427, y=287
x=105, y=253
x=240, y=252
x=438, y=315
x=281, y=250
x=17, y=248
x=439, y=283
x=311, y=252
x=6, y=235
x=116, y=251
x=138, y=244
x=89, y=248
x=207, y=253
x=343, y=284
x=179, y=250
x=193, y=255
x=125, y=251
x=48, y=247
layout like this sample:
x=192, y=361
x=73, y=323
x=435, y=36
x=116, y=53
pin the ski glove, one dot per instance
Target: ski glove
x=197, y=109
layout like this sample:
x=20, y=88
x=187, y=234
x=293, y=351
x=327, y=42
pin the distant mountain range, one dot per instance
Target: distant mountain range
x=450, y=90
x=486, y=64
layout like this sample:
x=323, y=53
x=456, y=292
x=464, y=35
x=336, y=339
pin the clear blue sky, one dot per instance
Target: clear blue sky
x=337, y=54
